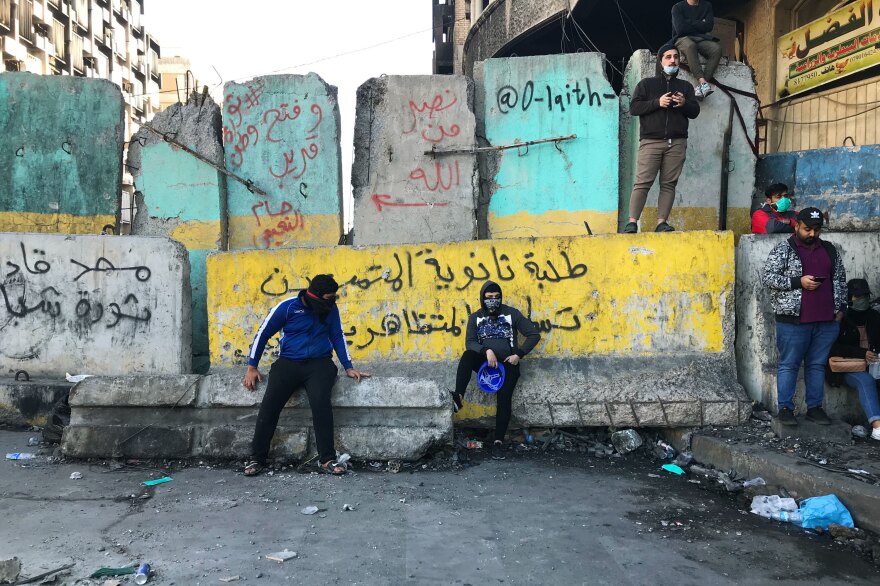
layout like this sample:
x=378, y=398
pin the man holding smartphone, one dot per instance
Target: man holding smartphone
x=664, y=105
x=807, y=283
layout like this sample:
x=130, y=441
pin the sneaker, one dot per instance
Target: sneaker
x=786, y=417
x=498, y=451
x=698, y=92
x=706, y=89
x=631, y=228
x=875, y=434
x=456, y=402
x=664, y=227
x=817, y=415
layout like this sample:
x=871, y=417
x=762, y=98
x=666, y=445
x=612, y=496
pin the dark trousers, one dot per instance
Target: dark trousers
x=317, y=375
x=471, y=362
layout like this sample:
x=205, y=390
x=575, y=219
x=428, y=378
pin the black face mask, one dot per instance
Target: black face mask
x=319, y=305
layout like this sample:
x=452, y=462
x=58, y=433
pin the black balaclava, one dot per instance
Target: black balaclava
x=491, y=287
x=314, y=295
x=858, y=288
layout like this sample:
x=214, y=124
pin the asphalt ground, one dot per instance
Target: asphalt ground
x=534, y=518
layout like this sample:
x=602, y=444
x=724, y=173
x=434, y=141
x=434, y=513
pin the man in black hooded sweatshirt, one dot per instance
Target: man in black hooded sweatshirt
x=492, y=337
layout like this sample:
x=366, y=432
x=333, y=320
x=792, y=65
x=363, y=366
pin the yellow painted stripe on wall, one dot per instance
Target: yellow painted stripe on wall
x=53, y=223
x=555, y=223
x=738, y=219
x=647, y=294
x=266, y=232
x=199, y=235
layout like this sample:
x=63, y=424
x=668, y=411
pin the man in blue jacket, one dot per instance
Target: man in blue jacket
x=310, y=330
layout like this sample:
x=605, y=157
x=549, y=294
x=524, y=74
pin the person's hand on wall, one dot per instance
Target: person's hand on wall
x=356, y=374
x=251, y=378
x=491, y=359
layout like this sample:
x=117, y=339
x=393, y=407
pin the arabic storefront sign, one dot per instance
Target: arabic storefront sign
x=841, y=43
x=411, y=303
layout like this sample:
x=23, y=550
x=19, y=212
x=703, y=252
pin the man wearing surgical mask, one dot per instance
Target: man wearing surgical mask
x=491, y=338
x=776, y=216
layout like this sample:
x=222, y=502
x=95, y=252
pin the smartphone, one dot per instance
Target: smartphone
x=819, y=279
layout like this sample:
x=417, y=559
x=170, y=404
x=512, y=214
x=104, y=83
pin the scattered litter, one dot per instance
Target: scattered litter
x=394, y=466
x=310, y=510
x=230, y=578
x=403, y=500
x=142, y=576
x=75, y=378
x=112, y=582
x=32, y=441
x=625, y=441
x=665, y=451
x=860, y=432
x=684, y=459
x=858, y=471
x=76, y=475
x=347, y=507
x=694, y=481
x=474, y=445
x=10, y=570
x=754, y=482
x=822, y=511
x=823, y=461
x=281, y=556
x=673, y=468
x=842, y=532
x=375, y=465
x=20, y=456
x=767, y=506
x=102, y=572
x=157, y=481
x=654, y=475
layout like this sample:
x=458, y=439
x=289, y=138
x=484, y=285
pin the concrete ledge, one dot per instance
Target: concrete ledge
x=27, y=403
x=837, y=433
x=214, y=416
x=862, y=499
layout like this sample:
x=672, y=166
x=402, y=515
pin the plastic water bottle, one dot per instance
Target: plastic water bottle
x=788, y=517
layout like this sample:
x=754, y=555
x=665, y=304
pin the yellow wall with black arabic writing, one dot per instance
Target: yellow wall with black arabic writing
x=645, y=294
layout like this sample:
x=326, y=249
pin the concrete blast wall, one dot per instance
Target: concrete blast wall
x=93, y=304
x=550, y=189
x=183, y=198
x=60, y=153
x=281, y=132
x=698, y=195
x=845, y=182
x=402, y=195
x=652, y=350
x=756, y=354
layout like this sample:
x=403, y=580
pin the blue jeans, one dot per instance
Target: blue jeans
x=865, y=384
x=808, y=344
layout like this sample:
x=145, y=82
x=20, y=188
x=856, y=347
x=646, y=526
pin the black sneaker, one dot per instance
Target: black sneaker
x=786, y=417
x=498, y=451
x=817, y=415
x=456, y=402
x=664, y=227
x=631, y=228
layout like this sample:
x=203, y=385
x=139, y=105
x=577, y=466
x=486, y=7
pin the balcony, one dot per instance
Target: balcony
x=6, y=15
x=26, y=21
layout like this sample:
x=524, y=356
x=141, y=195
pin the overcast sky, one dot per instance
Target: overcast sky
x=246, y=39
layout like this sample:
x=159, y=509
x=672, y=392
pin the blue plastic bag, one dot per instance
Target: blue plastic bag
x=822, y=511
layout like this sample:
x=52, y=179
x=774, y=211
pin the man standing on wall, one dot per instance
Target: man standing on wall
x=311, y=329
x=692, y=21
x=491, y=337
x=776, y=215
x=807, y=285
x=664, y=107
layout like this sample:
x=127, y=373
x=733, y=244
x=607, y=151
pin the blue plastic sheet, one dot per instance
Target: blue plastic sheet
x=822, y=511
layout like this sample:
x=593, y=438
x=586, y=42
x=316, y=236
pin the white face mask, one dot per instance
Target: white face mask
x=670, y=69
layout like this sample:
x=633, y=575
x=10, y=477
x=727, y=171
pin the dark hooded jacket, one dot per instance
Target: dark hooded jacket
x=499, y=332
x=663, y=123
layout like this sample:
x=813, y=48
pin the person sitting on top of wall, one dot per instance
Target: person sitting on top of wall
x=859, y=338
x=776, y=216
x=692, y=24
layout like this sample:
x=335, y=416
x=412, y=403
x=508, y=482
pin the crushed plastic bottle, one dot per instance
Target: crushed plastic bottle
x=767, y=506
x=794, y=517
x=626, y=440
x=754, y=482
x=20, y=456
x=667, y=451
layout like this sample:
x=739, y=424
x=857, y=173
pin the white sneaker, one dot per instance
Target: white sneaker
x=706, y=89
x=698, y=92
x=876, y=434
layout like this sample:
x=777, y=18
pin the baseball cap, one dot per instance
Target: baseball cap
x=812, y=217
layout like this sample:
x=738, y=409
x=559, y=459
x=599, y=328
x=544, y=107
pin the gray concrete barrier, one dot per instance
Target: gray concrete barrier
x=24, y=403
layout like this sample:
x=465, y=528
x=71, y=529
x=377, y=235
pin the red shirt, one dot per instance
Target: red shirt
x=816, y=305
x=765, y=214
